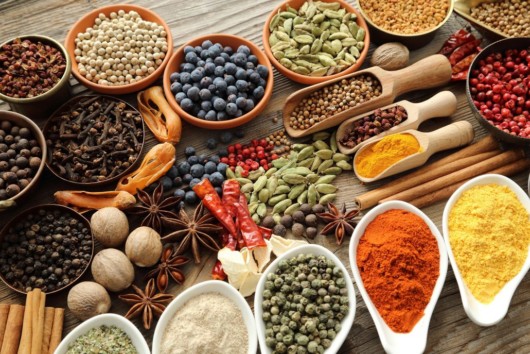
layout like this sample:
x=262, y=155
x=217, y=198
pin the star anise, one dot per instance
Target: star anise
x=153, y=207
x=170, y=261
x=338, y=221
x=146, y=302
x=193, y=232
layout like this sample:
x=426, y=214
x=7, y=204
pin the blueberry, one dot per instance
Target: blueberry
x=211, y=115
x=231, y=99
x=185, y=77
x=195, y=109
x=196, y=75
x=193, y=94
x=212, y=88
x=182, y=66
x=186, y=87
x=258, y=92
x=205, y=176
x=215, y=159
x=230, y=80
x=219, y=191
x=263, y=71
x=262, y=82
x=239, y=113
x=241, y=74
x=189, y=151
x=179, y=193
x=231, y=90
x=217, y=179
x=254, y=78
x=204, y=54
x=210, y=167
x=214, y=51
x=191, y=198
x=242, y=94
x=176, y=87
x=219, y=61
x=201, y=114
x=226, y=137
x=193, y=160
x=188, y=49
x=173, y=172
x=253, y=59
x=243, y=49
x=174, y=77
x=222, y=116
x=242, y=85
x=205, y=95
x=206, y=82
x=228, y=50
x=230, y=68
x=209, y=68
x=188, y=68
x=203, y=158
x=206, y=44
x=219, y=104
x=206, y=105
x=239, y=59
x=187, y=178
x=180, y=96
x=220, y=84
x=194, y=181
x=250, y=106
x=219, y=71
x=184, y=168
x=241, y=102
x=186, y=104
x=191, y=57
x=177, y=182
x=167, y=183
x=231, y=109
x=221, y=167
x=225, y=56
x=223, y=152
x=211, y=143
x=200, y=63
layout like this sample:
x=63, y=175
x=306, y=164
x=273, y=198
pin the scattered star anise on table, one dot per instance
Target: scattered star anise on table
x=193, y=232
x=169, y=265
x=146, y=303
x=338, y=221
x=153, y=207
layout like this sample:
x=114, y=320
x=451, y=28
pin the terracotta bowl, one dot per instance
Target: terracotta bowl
x=23, y=121
x=226, y=40
x=310, y=80
x=88, y=21
x=20, y=218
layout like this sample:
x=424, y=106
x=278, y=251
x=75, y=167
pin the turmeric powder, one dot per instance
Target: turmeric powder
x=489, y=233
x=376, y=158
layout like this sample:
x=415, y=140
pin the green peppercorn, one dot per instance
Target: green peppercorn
x=266, y=316
x=312, y=347
x=269, y=285
x=280, y=347
x=270, y=341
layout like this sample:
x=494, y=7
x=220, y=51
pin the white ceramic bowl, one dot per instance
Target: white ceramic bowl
x=494, y=312
x=207, y=287
x=306, y=249
x=416, y=340
x=107, y=319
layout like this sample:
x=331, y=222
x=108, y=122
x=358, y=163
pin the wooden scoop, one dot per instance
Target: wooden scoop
x=429, y=72
x=448, y=137
x=442, y=104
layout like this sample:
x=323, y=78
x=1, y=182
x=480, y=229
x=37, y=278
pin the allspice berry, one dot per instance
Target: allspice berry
x=311, y=220
x=279, y=230
x=298, y=229
x=109, y=226
x=311, y=232
x=286, y=220
x=305, y=208
x=299, y=216
x=268, y=222
x=318, y=208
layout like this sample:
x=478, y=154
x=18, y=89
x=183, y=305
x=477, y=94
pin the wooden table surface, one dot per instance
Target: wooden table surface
x=450, y=331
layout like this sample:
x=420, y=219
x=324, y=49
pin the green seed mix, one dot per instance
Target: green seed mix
x=103, y=340
x=304, y=301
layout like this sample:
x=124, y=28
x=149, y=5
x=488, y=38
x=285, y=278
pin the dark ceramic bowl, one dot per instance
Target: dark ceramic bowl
x=20, y=218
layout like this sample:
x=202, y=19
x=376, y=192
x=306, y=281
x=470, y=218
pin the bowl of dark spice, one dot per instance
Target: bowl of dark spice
x=22, y=156
x=196, y=322
x=94, y=140
x=34, y=74
x=47, y=246
x=304, y=303
x=105, y=333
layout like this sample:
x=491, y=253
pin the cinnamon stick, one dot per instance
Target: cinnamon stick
x=49, y=313
x=13, y=330
x=25, y=339
x=38, y=323
x=457, y=176
x=444, y=193
x=57, y=330
x=4, y=314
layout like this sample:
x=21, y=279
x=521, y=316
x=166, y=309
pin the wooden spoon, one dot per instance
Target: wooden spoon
x=429, y=72
x=442, y=104
x=448, y=137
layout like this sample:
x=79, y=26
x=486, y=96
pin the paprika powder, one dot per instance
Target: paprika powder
x=399, y=262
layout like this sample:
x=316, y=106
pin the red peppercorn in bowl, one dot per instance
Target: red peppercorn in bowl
x=498, y=89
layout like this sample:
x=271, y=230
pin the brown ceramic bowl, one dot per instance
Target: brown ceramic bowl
x=42, y=105
x=19, y=220
x=226, y=40
x=67, y=107
x=311, y=80
x=23, y=121
x=88, y=21
x=412, y=41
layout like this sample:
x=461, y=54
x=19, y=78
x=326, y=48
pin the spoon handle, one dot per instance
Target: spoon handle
x=442, y=104
x=433, y=71
x=450, y=136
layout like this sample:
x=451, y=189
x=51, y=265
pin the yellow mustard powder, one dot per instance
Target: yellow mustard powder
x=489, y=233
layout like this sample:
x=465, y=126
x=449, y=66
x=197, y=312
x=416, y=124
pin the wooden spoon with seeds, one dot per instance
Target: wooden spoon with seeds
x=429, y=72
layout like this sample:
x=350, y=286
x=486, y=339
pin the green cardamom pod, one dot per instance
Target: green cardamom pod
x=264, y=195
x=292, y=178
x=262, y=210
x=339, y=35
x=271, y=171
x=320, y=136
x=318, y=18
x=340, y=157
x=316, y=163
x=304, y=39
x=307, y=162
x=276, y=217
x=312, y=178
x=292, y=208
x=276, y=199
x=320, y=145
x=312, y=195
x=319, y=72
x=305, y=49
x=281, y=206
x=253, y=198
x=288, y=25
x=332, y=171
x=252, y=207
x=333, y=141
x=230, y=174
x=302, y=198
x=324, y=154
x=249, y=187
x=360, y=35
x=324, y=60
x=327, y=198
x=243, y=181
x=325, y=35
x=286, y=62
x=324, y=165
x=305, y=153
x=298, y=147
x=325, y=188
x=344, y=165
x=300, y=170
x=273, y=40
x=287, y=14
x=274, y=22
x=326, y=179
x=278, y=163
x=322, y=6
x=256, y=218
x=296, y=191
x=282, y=36
x=348, y=42
x=282, y=190
x=261, y=182
x=254, y=175
x=301, y=70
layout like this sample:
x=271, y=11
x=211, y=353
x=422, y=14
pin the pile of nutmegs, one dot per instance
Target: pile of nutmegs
x=302, y=223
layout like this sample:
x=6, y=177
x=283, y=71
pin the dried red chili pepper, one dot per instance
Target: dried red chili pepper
x=454, y=41
x=250, y=232
x=218, y=272
x=461, y=76
x=463, y=51
x=213, y=203
x=231, y=193
x=267, y=233
x=464, y=63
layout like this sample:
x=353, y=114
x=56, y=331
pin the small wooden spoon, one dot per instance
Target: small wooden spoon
x=429, y=72
x=448, y=137
x=442, y=104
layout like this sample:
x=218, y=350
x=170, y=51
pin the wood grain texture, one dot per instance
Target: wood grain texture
x=450, y=329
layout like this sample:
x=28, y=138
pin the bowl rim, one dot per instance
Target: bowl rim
x=122, y=89
x=209, y=286
x=39, y=136
x=347, y=322
x=64, y=79
x=230, y=123
x=107, y=319
x=405, y=35
x=399, y=342
x=69, y=103
x=48, y=206
x=492, y=313
x=310, y=80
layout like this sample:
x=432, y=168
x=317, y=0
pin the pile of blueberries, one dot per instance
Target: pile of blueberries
x=184, y=175
x=215, y=83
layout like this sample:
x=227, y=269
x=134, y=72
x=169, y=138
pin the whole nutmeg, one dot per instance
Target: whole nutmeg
x=390, y=56
x=112, y=269
x=109, y=226
x=143, y=246
x=88, y=299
